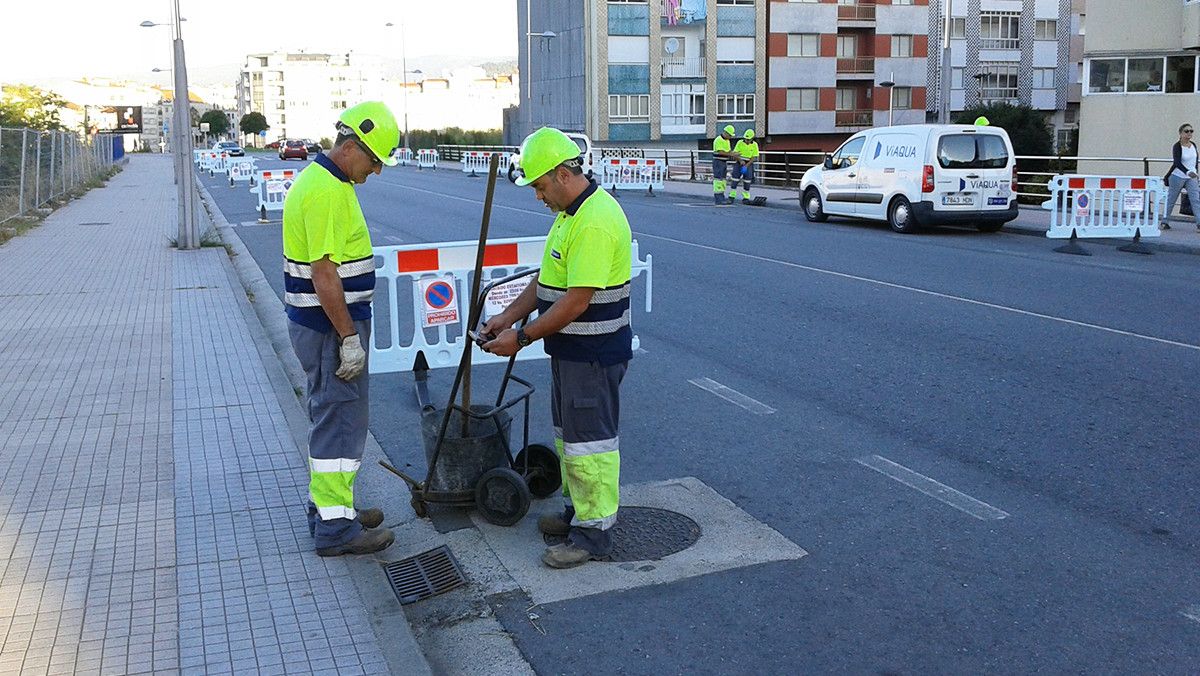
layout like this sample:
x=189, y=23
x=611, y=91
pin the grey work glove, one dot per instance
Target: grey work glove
x=352, y=358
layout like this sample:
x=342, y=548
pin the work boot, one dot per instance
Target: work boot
x=717, y=199
x=566, y=555
x=729, y=199
x=366, y=542
x=745, y=200
x=554, y=524
x=370, y=517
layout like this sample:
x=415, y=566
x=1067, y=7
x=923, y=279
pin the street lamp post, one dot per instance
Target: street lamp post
x=944, y=80
x=890, y=84
x=404, y=76
x=188, y=237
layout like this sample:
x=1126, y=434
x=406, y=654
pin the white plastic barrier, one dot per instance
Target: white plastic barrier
x=271, y=187
x=427, y=158
x=428, y=285
x=241, y=170
x=218, y=163
x=198, y=156
x=630, y=172
x=476, y=162
x=1104, y=206
x=403, y=156
x=207, y=159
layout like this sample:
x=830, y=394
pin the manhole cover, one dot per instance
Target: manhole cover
x=427, y=574
x=646, y=534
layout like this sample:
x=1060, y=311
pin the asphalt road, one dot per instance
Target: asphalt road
x=1055, y=392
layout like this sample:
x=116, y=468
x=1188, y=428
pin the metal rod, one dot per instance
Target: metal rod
x=476, y=280
x=21, y=193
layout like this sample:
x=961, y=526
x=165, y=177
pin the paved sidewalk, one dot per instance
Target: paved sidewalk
x=152, y=495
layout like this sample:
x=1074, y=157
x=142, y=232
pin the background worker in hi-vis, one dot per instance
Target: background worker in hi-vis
x=581, y=294
x=747, y=153
x=722, y=156
x=329, y=280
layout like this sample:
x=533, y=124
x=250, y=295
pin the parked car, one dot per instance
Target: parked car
x=274, y=145
x=312, y=146
x=917, y=175
x=585, y=151
x=229, y=147
x=293, y=148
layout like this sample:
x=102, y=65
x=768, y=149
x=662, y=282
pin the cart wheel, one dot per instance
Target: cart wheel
x=502, y=496
x=419, y=507
x=545, y=473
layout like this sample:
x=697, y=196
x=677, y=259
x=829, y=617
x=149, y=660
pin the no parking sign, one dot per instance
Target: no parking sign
x=437, y=297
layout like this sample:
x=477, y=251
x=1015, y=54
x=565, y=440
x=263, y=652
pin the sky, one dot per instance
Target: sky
x=94, y=38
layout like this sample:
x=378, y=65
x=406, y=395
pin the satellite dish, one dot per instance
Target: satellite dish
x=671, y=45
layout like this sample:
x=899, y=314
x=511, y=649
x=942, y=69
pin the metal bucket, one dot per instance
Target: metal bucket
x=463, y=459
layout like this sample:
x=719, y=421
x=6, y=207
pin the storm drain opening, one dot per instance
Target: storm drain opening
x=96, y=223
x=426, y=574
x=646, y=534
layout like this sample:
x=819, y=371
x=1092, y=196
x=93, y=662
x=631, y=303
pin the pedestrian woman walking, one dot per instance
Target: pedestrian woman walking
x=1183, y=176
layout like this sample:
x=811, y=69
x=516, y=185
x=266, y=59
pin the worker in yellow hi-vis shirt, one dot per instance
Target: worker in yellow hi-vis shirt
x=329, y=279
x=581, y=293
x=747, y=152
x=722, y=157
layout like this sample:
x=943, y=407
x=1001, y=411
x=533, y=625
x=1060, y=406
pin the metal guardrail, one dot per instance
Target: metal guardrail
x=863, y=12
x=37, y=167
x=856, y=65
x=454, y=153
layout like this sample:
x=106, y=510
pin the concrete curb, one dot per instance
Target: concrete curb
x=389, y=623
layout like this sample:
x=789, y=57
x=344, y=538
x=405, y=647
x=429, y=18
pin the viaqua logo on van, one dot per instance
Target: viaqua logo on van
x=979, y=184
x=895, y=151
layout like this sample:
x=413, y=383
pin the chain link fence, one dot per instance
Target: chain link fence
x=39, y=167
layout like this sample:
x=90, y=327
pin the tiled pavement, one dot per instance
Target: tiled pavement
x=150, y=493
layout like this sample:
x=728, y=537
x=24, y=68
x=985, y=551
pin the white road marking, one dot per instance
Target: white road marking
x=857, y=278
x=927, y=292
x=733, y=396
x=934, y=489
x=1192, y=613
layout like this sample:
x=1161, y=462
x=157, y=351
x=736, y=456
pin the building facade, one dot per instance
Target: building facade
x=1139, y=80
x=829, y=61
x=664, y=73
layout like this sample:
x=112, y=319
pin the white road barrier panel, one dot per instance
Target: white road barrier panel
x=421, y=299
x=219, y=164
x=475, y=162
x=633, y=173
x=198, y=156
x=427, y=158
x=403, y=156
x=271, y=187
x=241, y=169
x=1105, y=206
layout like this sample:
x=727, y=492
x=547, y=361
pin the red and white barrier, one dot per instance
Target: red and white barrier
x=427, y=158
x=477, y=161
x=271, y=188
x=632, y=172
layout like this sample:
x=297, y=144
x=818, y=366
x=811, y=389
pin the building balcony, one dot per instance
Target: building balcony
x=848, y=119
x=856, y=65
x=694, y=67
x=860, y=12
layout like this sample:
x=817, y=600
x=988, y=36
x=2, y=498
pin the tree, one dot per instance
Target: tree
x=253, y=123
x=29, y=106
x=1025, y=126
x=218, y=124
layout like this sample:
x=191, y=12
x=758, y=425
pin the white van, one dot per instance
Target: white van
x=917, y=175
x=585, y=151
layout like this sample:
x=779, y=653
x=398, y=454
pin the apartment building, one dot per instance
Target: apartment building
x=664, y=73
x=1139, y=80
x=829, y=62
x=1014, y=51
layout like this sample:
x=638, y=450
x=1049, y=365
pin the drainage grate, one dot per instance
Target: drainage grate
x=96, y=223
x=647, y=534
x=427, y=574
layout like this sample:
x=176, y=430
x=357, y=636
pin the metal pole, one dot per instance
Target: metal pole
x=21, y=194
x=404, y=66
x=891, y=96
x=944, y=80
x=37, y=176
x=188, y=237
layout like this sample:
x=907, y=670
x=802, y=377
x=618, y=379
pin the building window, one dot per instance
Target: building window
x=902, y=2
x=1181, y=74
x=803, y=44
x=629, y=107
x=1144, y=75
x=958, y=28
x=1043, y=78
x=1047, y=29
x=998, y=81
x=847, y=46
x=956, y=78
x=902, y=45
x=847, y=98
x=682, y=105
x=1106, y=76
x=802, y=99
x=1065, y=141
x=902, y=98
x=735, y=107
x=999, y=30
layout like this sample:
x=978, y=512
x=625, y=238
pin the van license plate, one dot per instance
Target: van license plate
x=958, y=200
x=997, y=201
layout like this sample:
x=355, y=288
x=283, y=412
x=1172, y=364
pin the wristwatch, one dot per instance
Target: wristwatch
x=523, y=339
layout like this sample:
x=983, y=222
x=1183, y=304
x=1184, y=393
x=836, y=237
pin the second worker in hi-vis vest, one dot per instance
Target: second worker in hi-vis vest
x=581, y=294
x=329, y=280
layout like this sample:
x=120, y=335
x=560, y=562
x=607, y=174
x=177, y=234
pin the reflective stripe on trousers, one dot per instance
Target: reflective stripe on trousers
x=585, y=406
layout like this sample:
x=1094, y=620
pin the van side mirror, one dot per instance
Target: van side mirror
x=828, y=162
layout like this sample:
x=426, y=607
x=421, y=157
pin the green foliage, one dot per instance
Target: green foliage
x=326, y=142
x=29, y=106
x=431, y=138
x=253, y=123
x=1025, y=126
x=218, y=124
